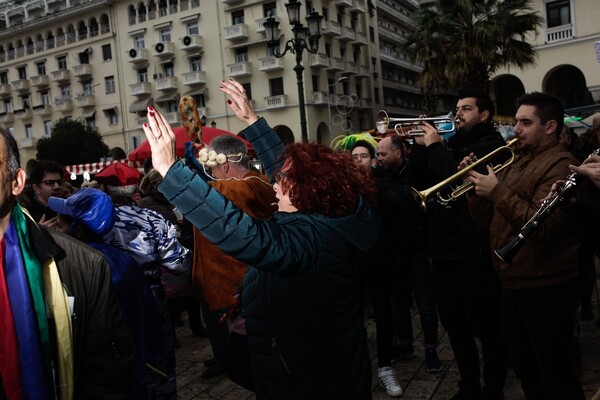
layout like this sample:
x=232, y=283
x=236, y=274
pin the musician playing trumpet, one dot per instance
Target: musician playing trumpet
x=540, y=288
x=466, y=288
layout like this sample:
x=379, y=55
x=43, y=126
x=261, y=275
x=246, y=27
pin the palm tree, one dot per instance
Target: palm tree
x=461, y=43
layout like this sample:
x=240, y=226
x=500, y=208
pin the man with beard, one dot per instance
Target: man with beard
x=466, y=288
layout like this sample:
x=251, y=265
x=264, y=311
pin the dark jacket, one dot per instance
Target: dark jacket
x=550, y=255
x=103, y=348
x=452, y=233
x=300, y=296
x=403, y=222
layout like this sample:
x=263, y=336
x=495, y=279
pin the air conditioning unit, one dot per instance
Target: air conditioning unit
x=133, y=53
x=159, y=47
x=157, y=76
x=89, y=50
x=187, y=40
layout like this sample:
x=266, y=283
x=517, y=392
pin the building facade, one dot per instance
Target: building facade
x=104, y=61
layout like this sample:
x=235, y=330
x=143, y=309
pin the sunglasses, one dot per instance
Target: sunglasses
x=52, y=182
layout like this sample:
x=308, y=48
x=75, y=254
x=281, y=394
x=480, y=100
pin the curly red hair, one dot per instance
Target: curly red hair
x=322, y=181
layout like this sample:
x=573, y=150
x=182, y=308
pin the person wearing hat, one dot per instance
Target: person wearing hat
x=87, y=215
x=153, y=243
x=62, y=333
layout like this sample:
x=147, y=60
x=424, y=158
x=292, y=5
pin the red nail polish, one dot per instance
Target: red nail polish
x=151, y=114
x=150, y=108
x=145, y=125
x=229, y=101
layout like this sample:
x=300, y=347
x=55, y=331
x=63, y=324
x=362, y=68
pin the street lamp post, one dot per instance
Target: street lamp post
x=304, y=39
x=343, y=78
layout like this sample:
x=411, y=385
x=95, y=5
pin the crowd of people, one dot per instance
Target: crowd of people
x=277, y=268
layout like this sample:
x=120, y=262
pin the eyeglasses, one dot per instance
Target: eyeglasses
x=52, y=182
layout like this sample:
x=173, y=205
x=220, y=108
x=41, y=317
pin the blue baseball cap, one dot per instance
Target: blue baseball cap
x=91, y=207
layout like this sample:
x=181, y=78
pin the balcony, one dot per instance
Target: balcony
x=22, y=85
x=141, y=88
x=63, y=105
x=236, y=32
x=330, y=28
x=260, y=24
x=358, y=6
x=240, y=69
x=336, y=64
x=5, y=89
x=231, y=1
x=42, y=110
x=343, y=3
x=164, y=50
x=194, y=78
x=347, y=34
x=27, y=142
x=173, y=118
x=138, y=56
x=273, y=102
x=191, y=43
x=559, y=33
x=25, y=113
x=349, y=68
x=320, y=98
x=61, y=75
x=86, y=100
x=361, y=39
x=363, y=71
x=318, y=60
x=82, y=71
x=271, y=63
x=40, y=81
x=7, y=118
x=167, y=83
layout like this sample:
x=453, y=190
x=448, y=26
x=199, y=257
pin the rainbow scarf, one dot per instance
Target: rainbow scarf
x=29, y=283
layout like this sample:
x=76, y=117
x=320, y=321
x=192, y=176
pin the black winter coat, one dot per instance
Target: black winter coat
x=452, y=233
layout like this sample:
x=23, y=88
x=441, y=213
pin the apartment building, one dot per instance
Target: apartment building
x=568, y=62
x=103, y=62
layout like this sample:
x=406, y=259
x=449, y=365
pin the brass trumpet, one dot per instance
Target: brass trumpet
x=421, y=197
x=383, y=123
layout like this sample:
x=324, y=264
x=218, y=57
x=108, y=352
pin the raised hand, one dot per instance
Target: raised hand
x=238, y=101
x=162, y=141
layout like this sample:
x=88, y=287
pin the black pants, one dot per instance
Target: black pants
x=538, y=324
x=467, y=294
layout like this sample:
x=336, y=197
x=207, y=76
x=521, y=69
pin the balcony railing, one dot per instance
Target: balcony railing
x=194, y=78
x=86, y=100
x=166, y=83
x=61, y=75
x=275, y=101
x=141, y=88
x=40, y=81
x=559, y=33
x=240, y=69
x=82, y=70
x=271, y=63
x=318, y=60
x=22, y=85
x=5, y=89
x=236, y=32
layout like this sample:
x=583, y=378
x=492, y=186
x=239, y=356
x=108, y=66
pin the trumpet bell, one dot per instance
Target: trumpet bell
x=409, y=126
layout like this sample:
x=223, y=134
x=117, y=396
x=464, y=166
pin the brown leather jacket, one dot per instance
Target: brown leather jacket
x=550, y=255
x=215, y=275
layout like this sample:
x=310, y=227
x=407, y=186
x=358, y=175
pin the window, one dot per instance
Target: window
x=272, y=50
x=28, y=131
x=111, y=115
x=106, y=52
x=88, y=90
x=237, y=17
x=47, y=128
x=41, y=68
x=25, y=102
x=8, y=108
x=65, y=91
x=192, y=28
x=372, y=34
x=241, y=54
x=200, y=100
x=169, y=69
x=315, y=83
x=138, y=42
x=90, y=122
x=165, y=35
x=276, y=86
x=22, y=71
x=142, y=75
x=61, y=61
x=248, y=90
x=171, y=106
x=195, y=63
x=84, y=57
x=558, y=13
x=45, y=97
x=328, y=49
x=4, y=77
x=109, y=84
x=270, y=9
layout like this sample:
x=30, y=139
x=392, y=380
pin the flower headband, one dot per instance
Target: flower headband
x=210, y=158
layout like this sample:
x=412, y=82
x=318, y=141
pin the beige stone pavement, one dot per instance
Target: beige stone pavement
x=416, y=382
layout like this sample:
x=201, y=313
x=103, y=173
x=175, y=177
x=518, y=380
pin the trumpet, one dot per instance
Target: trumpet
x=421, y=197
x=442, y=124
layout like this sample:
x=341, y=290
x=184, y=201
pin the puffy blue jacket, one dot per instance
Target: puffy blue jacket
x=300, y=296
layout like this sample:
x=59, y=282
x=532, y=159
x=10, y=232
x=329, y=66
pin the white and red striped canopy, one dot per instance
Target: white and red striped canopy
x=93, y=168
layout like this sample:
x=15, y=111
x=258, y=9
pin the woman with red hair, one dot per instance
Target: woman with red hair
x=300, y=293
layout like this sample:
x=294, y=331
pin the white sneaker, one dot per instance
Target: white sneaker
x=387, y=379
